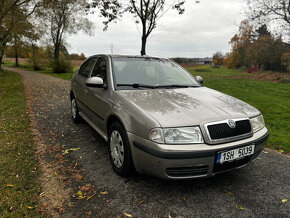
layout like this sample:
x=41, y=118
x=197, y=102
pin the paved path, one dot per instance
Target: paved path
x=253, y=191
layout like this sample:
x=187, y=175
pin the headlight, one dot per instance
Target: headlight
x=257, y=123
x=185, y=135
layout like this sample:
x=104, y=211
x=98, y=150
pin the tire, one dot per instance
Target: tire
x=119, y=150
x=75, y=113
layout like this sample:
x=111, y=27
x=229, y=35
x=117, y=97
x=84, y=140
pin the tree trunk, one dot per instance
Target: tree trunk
x=56, y=55
x=16, y=58
x=33, y=57
x=1, y=59
x=144, y=38
x=143, y=47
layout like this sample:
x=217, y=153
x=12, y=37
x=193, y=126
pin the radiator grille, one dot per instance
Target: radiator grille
x=223, y=131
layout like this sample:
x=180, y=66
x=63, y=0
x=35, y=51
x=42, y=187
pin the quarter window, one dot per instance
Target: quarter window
x=100, y=69
x=87, y=68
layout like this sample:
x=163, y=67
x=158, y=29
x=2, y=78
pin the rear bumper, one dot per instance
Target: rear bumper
x=189, y=161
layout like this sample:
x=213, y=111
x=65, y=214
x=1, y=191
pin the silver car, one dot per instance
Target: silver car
x=160, y=120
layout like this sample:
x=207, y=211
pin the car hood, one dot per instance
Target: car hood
x=188, y=106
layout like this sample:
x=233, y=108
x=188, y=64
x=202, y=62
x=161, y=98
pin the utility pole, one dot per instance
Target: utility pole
x=112, y=48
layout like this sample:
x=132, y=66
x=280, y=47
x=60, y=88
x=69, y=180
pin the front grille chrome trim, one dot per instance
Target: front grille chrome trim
x=228, y=139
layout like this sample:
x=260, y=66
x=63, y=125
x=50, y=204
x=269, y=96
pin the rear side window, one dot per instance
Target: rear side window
x=87, y=68
x=100, y=69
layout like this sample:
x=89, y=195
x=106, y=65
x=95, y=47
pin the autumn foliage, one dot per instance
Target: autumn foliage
x=257, y=50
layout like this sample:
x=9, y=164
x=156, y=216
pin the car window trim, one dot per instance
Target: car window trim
x=90, y=70
x=107, y=64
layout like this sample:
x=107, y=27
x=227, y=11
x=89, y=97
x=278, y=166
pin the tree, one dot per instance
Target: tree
x=61, y=18
x=257, y=49
x=271, y=12
x=146, y=12
x=218, y=58
x=240, y=43
x=12, y=14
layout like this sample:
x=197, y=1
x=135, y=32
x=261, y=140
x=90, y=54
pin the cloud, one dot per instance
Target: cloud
x=203, y=29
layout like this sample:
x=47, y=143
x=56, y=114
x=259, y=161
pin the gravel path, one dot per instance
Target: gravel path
x=95, y=190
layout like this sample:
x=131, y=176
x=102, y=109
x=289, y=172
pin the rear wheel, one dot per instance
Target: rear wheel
x=75, y=111
x=119, y=150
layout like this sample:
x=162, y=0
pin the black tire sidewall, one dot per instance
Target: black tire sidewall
x=78, y=118
x=127, y=168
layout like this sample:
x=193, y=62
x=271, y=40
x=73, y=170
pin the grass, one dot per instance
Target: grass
x=45, y=70
x=272, y=99
x=19, y=187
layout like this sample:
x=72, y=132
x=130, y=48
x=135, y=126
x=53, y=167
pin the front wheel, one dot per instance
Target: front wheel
x=119, y=150
x=75, y=111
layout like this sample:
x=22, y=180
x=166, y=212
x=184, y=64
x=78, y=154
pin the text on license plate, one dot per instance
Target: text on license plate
x=235, y=154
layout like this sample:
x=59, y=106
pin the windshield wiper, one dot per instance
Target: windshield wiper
x=175, y=86
x=137, y=85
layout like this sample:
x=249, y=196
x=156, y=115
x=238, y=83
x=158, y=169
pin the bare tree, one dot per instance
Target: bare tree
x=274, y=13
x=146, y=12
x=62, y=18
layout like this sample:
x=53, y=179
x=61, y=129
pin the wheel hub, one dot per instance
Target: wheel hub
x=117, y=148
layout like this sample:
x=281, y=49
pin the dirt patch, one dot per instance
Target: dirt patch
x=267, y=76
x=77, y=62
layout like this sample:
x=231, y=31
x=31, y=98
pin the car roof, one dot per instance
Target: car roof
x=127, y=56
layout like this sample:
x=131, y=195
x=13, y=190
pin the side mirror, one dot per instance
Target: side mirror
x=199, y=79
x=95, y=82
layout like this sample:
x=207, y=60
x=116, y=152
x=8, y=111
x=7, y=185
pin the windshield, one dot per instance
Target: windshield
x=150, y=72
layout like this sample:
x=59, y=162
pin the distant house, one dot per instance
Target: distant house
x=203, y=61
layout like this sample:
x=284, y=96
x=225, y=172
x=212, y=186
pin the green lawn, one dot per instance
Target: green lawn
x=19, y=186
x=272, y=99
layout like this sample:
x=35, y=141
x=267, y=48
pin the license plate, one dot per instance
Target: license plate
x=235, y=154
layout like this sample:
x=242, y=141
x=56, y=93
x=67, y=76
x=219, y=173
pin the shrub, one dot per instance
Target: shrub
x=63, y=66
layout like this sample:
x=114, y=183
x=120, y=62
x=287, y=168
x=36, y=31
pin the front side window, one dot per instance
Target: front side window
x=151, y=72
x=86, y=68
x=100, y=69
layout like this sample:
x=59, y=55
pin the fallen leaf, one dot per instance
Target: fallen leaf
x=70, y=149
x=281, y=151
x=104, y=193
x=9, y=185
x=127, y=214
x=91, y=196
x=265, y=152
x=140, y=202
x=55, y=173
x=29, y=207
x=90, y=213
x=284, y=200
x=229, y=193
x=169, y=216
x=240, y=207
x=80, y=197
x=79, y=193
x=59, y=209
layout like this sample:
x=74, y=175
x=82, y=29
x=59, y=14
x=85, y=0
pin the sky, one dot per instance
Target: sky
x=202, y=30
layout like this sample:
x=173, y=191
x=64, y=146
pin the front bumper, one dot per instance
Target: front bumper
x=189, y=161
